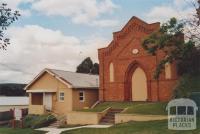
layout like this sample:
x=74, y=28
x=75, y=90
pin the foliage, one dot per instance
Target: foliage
x=190, y=63
x=12, y=89
x=88, y=67
x=169, y=40
x=186, y=85
x=5, y=116
x=95, y=69
x=7, y=17
x=37, y=121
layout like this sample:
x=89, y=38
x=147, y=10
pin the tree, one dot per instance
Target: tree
x=7, y=17
x=88, y=67
x=95, y=69
x=170, y=39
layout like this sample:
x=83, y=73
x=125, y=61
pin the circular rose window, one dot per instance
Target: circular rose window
x=135, y=51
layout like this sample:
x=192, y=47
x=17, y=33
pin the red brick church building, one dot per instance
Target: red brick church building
x=126, y=69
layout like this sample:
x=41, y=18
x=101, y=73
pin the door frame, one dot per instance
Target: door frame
x=128, y=80
x=48, y=101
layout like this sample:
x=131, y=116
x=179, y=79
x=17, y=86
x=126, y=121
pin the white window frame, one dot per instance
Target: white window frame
x=83, y=96
x=59, y=96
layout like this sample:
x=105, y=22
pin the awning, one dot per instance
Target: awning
x=41, y=91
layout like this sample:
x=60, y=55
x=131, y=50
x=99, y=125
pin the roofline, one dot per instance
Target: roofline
x=133, y=17
x=51, y=73
x=72, y=72
x=85, y=87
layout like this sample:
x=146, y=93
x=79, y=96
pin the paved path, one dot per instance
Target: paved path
x=59, y=130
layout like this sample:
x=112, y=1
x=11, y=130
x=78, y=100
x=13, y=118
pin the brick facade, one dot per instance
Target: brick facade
x=120, y=53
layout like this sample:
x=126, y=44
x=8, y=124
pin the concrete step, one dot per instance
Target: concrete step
x=54, y=124
x=109, y=118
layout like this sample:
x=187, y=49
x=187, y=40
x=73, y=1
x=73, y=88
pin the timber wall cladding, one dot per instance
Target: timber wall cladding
x=126, y=54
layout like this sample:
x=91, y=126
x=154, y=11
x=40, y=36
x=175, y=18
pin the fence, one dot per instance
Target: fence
x=8, y=115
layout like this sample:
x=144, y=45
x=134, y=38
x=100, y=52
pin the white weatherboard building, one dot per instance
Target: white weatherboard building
x=7, y=103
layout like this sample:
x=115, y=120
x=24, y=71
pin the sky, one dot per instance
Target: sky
x=59, y=34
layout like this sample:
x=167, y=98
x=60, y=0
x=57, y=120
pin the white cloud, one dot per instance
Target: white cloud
x=79, y=11
x=179, y=9
x=34, y=48
x=105, y=23
x=14, y=5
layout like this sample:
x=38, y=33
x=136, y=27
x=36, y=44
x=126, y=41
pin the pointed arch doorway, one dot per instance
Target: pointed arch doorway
x=136, y=83
x=139, y=85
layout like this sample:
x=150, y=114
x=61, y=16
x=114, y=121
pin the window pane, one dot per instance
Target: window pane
x=190, y=110
x=173, y=110
x=81, y=94
x=181, y=110
x=61, y=96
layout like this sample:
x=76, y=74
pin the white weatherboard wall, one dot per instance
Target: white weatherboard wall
x=7, y=103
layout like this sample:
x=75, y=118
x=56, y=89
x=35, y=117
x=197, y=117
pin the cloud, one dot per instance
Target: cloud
x=34, y=48
x=14, y=5
x=79, y=11
x=179, y=9
x=105, y=23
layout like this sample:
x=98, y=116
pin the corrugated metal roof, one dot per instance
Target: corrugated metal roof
x=78, y=80
x=5, y=101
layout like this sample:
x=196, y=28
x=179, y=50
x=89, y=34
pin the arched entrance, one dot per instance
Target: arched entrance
x=136, y=85
x=139, y=85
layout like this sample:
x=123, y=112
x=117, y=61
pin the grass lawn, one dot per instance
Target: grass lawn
x=148, y=108
x=133, y=107
x=102, y=106
x=6, y=130
x=150, y=127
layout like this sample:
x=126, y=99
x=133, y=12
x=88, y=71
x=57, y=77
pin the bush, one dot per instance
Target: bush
x=5, y=116
x=37, y=121
x=186, y=85
x=190, y=64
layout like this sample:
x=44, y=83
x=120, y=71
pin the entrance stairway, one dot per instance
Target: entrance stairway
x=60, y=120
x=55, y=124
x=109, y=118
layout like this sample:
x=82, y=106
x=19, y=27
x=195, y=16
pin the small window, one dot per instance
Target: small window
x=168, y=73
x=111, y=72
x=81, y=96
x=173, y=111
x=190, y=110
x=61, y=96
x=181, y=110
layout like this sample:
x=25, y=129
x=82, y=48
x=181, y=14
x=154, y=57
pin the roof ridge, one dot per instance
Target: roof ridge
x=72, y=72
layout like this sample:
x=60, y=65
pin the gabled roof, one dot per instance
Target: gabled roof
x=71, y=79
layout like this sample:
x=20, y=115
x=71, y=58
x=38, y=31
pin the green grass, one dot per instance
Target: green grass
x=102, y=106
x=150, y=127
x=6, y=130
x=148, y=108
x=133, y=107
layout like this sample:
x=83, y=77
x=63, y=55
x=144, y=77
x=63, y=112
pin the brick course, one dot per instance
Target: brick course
x=119, y=52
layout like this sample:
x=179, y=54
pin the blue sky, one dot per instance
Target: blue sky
x=61, y=33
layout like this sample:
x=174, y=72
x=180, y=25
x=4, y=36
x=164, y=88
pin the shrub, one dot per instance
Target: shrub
x=186, y=85
x=4, y=116
x=37, y=121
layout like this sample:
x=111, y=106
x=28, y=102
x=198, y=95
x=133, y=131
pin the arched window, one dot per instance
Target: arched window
x=168, y=71
x=111, y=72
